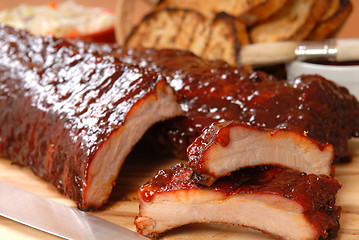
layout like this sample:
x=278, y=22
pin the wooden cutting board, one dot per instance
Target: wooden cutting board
x=123, y=206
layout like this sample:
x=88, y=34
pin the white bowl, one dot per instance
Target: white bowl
x=344, y=75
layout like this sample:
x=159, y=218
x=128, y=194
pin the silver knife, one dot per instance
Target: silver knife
x=57, y=219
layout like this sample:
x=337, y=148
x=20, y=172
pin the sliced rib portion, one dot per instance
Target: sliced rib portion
x=72, y=116
x=226, y=147
x=282, y=202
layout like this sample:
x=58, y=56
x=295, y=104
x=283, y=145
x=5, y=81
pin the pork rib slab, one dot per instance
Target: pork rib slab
x=282, y=202
x=213, y=91
x=72, y=116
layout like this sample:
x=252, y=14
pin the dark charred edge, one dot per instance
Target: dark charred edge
x=160, y=2
x=85, y=208
x=344, y=4
x=230, y=20
x=333, y=232
x=259, y=8
x=154, y=235
x=203, y=179
x=341, y=15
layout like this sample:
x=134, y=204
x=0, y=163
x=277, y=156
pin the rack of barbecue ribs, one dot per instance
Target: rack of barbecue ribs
x=73, y=116
x=283, y=202
x=275, y=181
x=310, y=105
x=212, y=91
x=72, y=111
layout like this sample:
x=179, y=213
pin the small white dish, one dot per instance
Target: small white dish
x=344, y=75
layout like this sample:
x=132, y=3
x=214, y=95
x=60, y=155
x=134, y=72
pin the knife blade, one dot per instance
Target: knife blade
x=57, y=219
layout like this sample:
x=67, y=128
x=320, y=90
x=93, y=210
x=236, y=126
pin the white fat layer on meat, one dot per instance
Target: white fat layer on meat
x=108, y=161
x=270, y=213
x=250, y=147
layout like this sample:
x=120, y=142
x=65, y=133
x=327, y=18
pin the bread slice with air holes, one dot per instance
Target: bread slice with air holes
x=294, y=21
x=218, y=37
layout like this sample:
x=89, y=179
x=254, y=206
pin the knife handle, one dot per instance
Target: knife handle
x=348, y=50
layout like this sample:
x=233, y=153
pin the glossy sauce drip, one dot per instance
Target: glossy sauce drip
x=216, y=132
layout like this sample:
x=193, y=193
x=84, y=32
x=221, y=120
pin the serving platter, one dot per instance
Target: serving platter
x=138, y=168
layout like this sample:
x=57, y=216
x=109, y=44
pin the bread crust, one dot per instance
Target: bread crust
x=262, y=11
x=293, y=22
x=212, y=7
x=332, y=20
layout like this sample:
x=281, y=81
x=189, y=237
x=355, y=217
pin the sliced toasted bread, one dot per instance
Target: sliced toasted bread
x=334, y=18
x=166, y=28
x=262, y=11
x=217, y=38
x=226, y=36
x=211, y=7
x=293, y=22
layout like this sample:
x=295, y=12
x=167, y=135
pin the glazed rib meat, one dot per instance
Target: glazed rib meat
x=215, y=92
x=310, y=105
x=282, y=202
x=72, y=116
x=228, y=146
x=63, y=104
